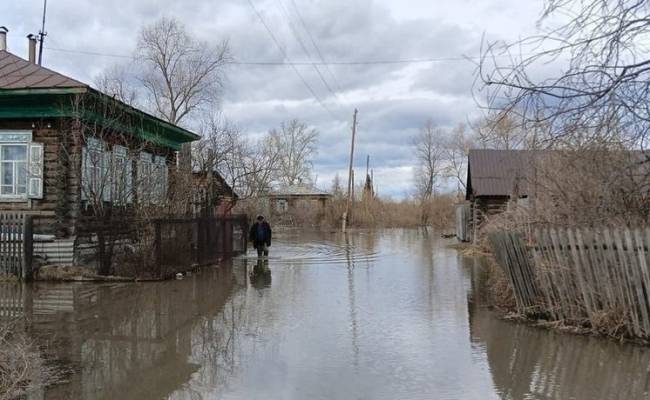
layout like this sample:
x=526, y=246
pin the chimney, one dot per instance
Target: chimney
x=32, y=48
x=3, y=37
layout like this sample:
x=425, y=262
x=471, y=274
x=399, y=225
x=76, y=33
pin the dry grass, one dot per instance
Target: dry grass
x=4, y=277
x=500, y=293
x=22, y=368
x=62, y=273
x=388, y=213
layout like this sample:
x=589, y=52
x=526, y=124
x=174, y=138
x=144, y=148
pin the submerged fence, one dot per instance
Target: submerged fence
x=599, y=276
x=16, y=247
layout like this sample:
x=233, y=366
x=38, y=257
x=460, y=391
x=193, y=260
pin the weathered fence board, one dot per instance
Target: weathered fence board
x=599, y=276
x=510, y=253
x=16, y=245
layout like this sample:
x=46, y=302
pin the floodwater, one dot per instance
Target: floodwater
x=392, y=314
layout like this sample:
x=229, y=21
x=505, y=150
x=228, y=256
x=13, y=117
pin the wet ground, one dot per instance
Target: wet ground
x=393, y=314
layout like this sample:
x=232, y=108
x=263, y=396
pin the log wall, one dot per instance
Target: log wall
x=57, y=211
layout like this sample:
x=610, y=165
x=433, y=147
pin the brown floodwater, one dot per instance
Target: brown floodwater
x=392, y=314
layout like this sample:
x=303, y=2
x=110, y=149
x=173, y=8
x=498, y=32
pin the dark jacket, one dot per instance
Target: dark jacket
x=265, y=236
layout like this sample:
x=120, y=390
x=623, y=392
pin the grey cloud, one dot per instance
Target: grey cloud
x=393, y=100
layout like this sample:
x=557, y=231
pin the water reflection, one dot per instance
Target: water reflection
x=369, y=315
x=260, y=277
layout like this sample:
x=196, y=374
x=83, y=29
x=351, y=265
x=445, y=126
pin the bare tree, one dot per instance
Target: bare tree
x=502, y=131
x=458, y=143
x=248, y=165
x=429, y=153
x=600, y=90
x=117, y=82
x=295, y=144
x=181, y=74
x=594, y=105
x=124, y=179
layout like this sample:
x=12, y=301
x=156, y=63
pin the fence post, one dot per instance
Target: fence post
x=158, y=247
x=245, y=228
x=28, y=247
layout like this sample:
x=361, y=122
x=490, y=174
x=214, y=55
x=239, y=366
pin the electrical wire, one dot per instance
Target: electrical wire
x=313, y=42
x=285, y=56
x=304, y=48
x=289, y=63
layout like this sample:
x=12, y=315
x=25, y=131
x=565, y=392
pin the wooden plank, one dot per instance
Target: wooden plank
x=636, y=280
x=628, y=283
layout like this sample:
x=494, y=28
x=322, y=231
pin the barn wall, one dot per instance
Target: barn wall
x=482, y=207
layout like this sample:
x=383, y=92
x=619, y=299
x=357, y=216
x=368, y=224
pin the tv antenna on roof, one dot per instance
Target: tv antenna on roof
x=41, y=35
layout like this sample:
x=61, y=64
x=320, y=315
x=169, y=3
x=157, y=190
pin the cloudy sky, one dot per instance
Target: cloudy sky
x=393, y=99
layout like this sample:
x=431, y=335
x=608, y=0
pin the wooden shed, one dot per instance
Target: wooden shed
x=494, y=178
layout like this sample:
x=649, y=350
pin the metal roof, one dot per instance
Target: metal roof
x=495, y=172
x=502, y=172
x=298, y=190
x=17, y=73
x=29, y=90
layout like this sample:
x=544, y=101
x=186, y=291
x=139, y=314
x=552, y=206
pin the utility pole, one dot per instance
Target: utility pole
x=41, y=35
x=347, y=206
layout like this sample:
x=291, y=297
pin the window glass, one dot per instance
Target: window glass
x=14, y=153
x=7, y=173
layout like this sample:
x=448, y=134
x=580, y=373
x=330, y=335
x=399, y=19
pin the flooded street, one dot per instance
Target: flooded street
x=392, y=314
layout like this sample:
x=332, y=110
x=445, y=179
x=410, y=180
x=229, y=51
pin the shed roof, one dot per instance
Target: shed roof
x=298, y=190
x=495, y=172
x=502, y=172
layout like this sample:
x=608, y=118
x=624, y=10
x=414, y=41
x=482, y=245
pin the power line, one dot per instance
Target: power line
x=304, y=48
x=296, y=63
x=313, y=42
x=284, y=54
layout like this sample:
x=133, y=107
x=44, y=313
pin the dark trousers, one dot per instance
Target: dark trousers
x=262, y=250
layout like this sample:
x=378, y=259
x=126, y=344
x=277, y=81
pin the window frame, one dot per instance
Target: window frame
x=22, y=138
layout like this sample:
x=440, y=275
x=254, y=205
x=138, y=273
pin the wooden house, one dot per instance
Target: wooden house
x=212, y=195
x=298, y=204
x=66, y=147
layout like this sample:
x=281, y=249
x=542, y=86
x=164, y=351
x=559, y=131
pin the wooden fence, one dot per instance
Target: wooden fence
x=16, y=245
x=599, y=276
x=182, y=243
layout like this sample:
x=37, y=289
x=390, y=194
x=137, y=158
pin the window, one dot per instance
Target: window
x=122, y=177
x=13, y=170
x=282, y=205
x=161, y=177
x=145, y=175
x=94, y=170
x=21, y=166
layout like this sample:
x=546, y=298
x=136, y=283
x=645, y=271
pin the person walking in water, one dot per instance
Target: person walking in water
x=260, y=235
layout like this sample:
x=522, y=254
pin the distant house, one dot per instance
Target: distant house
x=54, y=165
x=298, y=199
x=212, y=194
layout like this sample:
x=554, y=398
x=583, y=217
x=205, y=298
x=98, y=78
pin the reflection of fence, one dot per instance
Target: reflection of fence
x=16, y=246
x=582, y=274
x=13, y=300
x=184, y=242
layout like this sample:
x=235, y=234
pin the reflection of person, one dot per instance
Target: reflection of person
x=261, y=275
x=260, y=235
